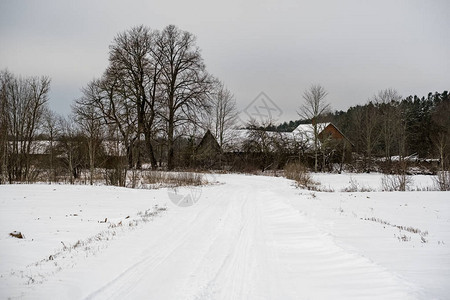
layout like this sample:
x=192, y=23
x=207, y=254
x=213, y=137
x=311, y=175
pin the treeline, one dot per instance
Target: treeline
x=389, y=125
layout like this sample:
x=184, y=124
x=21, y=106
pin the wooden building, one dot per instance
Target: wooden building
x=208, y=153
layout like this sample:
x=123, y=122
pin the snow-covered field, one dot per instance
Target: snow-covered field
x=252, y=237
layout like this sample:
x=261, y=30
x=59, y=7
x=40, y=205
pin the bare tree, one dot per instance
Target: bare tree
x=52, y=131
x=5, y=81
x=370, y=133
x=224, y=112
x=70, y=147
x=137, y=70
x=186, y=84
x=89, y=120
x=387, y=102
x=441, y=140
x=155, y=86
x=109, y=99
x=24, y=101
x=313, y=109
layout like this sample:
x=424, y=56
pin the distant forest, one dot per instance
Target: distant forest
x=411, y=126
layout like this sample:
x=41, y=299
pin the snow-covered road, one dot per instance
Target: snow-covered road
x=249, y=238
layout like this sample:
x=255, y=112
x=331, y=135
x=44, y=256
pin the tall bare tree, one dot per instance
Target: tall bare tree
x=441, y=134
x=118, y=114
x=222, y=114
x=25, y=101
x=70, y=146
x=5, y=78
x=155, y=85
x=186, y=84
x=370, y=132
x=314, y=107
x=388, y=103
x=90, y=121
x=137, y=70
x=52, y=130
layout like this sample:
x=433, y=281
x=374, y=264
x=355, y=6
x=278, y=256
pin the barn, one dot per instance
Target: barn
x=327, y=132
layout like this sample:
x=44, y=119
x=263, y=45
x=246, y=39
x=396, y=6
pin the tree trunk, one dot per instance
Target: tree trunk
x=91, y=162
x=170, y=139
x=151, y=151
x=343, y=157
x=170, y=146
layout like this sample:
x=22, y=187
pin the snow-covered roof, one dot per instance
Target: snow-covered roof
x=303, y=134
x=235, y=139
x=308, y=129
x=36, y=147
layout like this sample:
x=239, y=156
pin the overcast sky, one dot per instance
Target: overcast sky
x=279, y=47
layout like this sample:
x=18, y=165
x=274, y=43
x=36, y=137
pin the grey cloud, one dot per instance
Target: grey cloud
x=353, y=48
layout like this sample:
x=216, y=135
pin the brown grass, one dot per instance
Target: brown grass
x=173, y=179
x=301, y=175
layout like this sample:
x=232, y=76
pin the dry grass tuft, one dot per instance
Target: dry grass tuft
x=354, y=186
x=301, y=175
x=173, y=179
x=400, y=182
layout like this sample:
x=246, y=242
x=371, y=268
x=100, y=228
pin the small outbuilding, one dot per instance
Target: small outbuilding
x=208, y=152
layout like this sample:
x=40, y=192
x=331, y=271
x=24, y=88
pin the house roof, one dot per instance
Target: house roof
x=237, y=138
x=308, y=129
x=209, y=141
x=305, y=132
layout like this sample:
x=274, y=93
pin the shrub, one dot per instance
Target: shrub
x=442, y=181
x=355, y=187
x=398, y=182
x=300, y=174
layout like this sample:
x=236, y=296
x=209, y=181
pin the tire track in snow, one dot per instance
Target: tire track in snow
x=236, y=268
x=125, y=282
x=181, y=236
x=242, y=273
